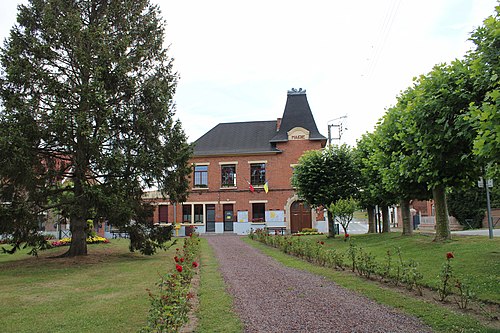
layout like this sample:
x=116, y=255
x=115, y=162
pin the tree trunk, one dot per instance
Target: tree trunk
x=79, y=216
x=331, y=224
x=386, y=226
x=406, y=215
x=78, y=245
x=442, y=222
x=371, y=220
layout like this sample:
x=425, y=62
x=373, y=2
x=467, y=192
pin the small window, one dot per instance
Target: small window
x=186, y=213
x=228, y=175
x=258, y=174
x=258, y=212
x=163, y=213
x=198, y=213
x=201, y=176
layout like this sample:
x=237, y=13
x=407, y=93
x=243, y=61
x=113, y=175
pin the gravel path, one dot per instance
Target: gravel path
x=270, y=297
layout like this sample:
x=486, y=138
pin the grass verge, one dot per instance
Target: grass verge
x=477, y=258
x=215, y=312
x=437, y=317
x=101, y=292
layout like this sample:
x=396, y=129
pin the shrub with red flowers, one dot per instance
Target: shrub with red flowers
x=444, y=288
x=170, y=307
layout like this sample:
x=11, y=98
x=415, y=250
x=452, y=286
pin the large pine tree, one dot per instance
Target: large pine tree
x=86, y=116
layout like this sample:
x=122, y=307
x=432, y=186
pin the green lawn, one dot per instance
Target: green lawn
x=477, y=258
x=102, y=292
x=215, y=311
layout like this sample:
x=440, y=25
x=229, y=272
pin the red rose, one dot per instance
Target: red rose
x=322, y=243
x=195, y=264
x=346, y=235
x=176, y=259
x=178, y=268
x=449, y=255
x=182, y=259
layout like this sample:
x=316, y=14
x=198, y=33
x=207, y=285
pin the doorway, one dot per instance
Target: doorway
x=210, y=222
x=300, y=216
x=228, y=212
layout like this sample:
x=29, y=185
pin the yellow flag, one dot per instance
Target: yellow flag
x=266, y=187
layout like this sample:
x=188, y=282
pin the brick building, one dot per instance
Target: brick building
x=242, y=175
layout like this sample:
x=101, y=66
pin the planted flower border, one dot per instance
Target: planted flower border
x=90, y=240
x=170, y=303
x=356, y=259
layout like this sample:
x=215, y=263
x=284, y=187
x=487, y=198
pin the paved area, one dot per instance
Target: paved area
x=270, y=297
x=477, y=232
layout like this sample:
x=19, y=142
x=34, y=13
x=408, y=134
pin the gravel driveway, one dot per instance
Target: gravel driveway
x=270, y=297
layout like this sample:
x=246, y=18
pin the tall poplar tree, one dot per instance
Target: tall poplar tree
x=87, y=117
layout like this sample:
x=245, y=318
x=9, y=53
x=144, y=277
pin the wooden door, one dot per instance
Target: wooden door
x=300, y=216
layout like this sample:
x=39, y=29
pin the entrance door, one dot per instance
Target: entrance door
x=228, y=217
x=210, y=218
x=300, y=216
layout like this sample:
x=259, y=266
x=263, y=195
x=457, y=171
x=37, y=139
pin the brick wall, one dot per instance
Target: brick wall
x=278, y=174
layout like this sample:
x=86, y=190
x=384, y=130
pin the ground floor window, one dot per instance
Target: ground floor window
x=186, y=213
x=258, y=212
x=163, y=213
x=198, y=213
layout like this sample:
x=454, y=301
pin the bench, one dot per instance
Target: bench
x=276, y=229
x=117, y=234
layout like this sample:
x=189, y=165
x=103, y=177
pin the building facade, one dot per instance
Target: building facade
x=242, y=176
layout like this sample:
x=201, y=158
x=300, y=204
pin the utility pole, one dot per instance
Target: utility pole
x=338, y=124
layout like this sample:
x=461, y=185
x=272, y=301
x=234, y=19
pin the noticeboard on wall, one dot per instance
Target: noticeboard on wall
x=243, y=216
x=275, y=215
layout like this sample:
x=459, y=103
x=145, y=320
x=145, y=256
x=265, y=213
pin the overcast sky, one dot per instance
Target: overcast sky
x=237, y=59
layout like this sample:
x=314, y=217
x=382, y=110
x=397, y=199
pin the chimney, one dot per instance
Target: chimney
x=278, y=124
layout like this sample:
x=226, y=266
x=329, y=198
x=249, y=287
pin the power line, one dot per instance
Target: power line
x=383, y=35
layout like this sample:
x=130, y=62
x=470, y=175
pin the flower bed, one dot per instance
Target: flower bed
x=90, y=240
x=170, y=305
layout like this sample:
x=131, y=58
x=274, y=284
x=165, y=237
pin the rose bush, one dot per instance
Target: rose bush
x=170, y=305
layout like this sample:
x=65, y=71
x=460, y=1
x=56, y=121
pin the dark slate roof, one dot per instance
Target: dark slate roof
x=237, y=138
x=297, y=114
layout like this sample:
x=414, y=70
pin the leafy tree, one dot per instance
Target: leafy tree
x=394, y=159
x=86, y=90
x=343, y=211
x=322, y=177
x=372, y=190
x=442, y=140
x=485, y=70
